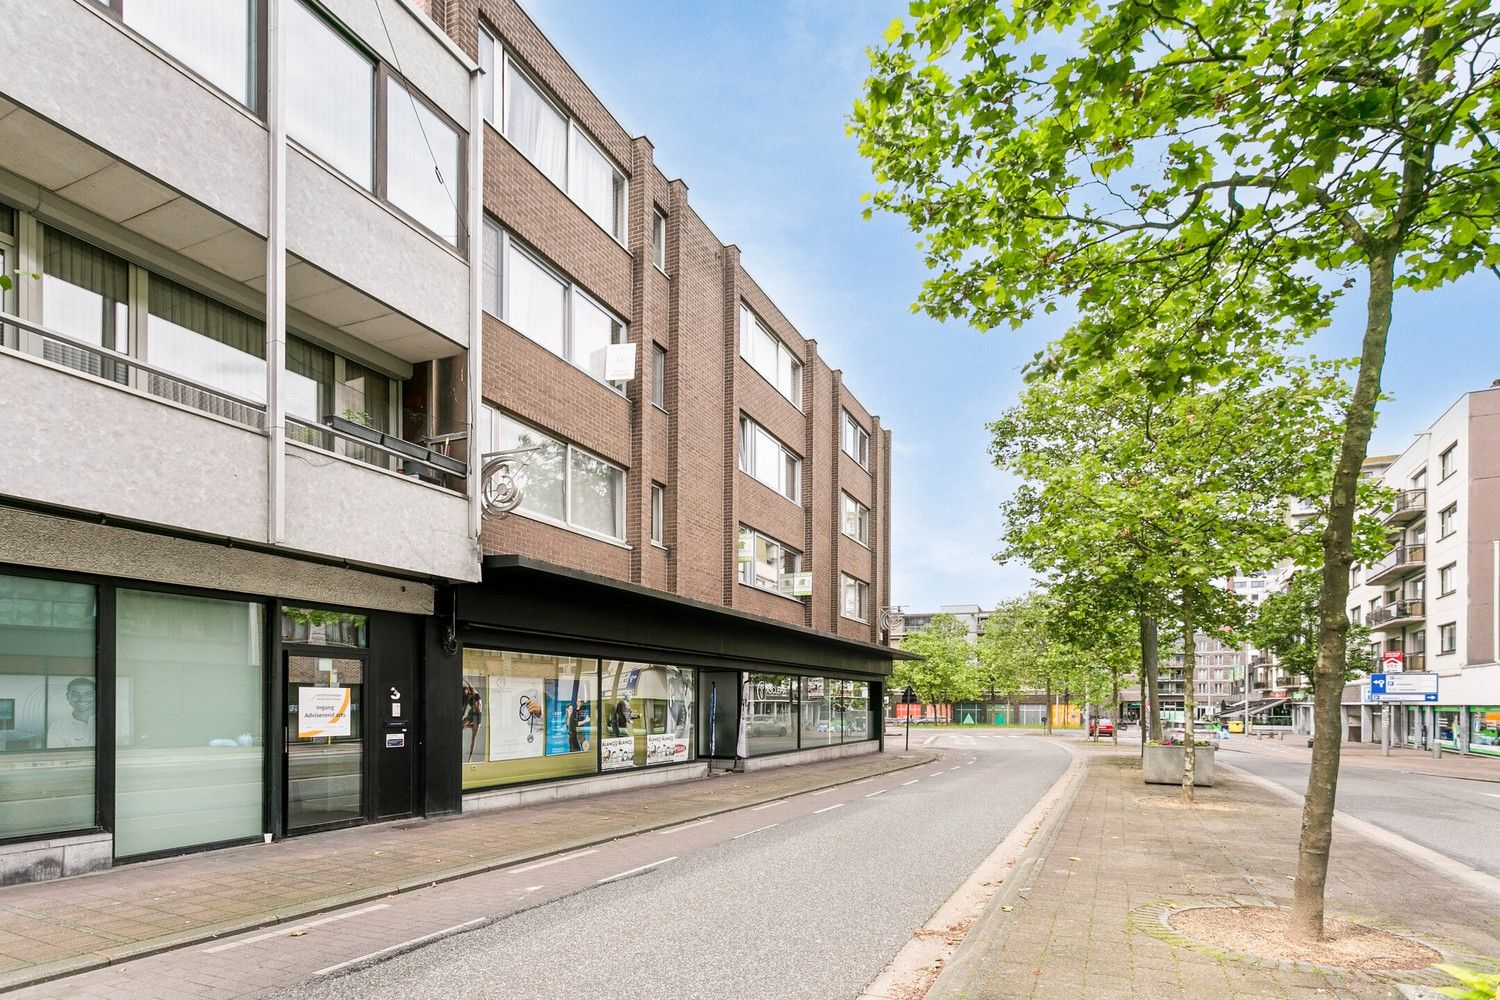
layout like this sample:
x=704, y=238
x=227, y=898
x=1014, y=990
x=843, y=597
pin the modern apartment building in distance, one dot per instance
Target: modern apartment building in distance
x=303, y=292
x=1432, y=597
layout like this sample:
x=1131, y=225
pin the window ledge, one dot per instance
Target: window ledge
x=856, y=541
x=801, y=602
x=769, y=489
x=774, y=387
x=851, y=618
x=658, y=545
x=564, y=526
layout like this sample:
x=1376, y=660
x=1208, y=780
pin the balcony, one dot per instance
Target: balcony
x=1410, y=505
x=1397, y=615
x=1400, y=560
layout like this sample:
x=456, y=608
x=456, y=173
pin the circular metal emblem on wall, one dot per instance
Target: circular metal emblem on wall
x=500, y=486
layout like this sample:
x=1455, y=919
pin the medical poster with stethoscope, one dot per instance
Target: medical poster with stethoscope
x=518, y=717
x=570, y=703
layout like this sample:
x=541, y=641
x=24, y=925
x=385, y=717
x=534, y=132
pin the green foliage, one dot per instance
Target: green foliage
x=1475, y=985
x=948, y=668
x=1286, y=624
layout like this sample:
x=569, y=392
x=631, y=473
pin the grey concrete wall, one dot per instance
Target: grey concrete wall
x=116, y=93
x=59, y=543
x=332, y=224
x=76, y=442
x=337, y=508
x=809, y=755
x=1482, y=520
x=416, y=46
x=573, y=788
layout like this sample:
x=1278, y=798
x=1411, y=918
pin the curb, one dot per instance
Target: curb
x=78, y=964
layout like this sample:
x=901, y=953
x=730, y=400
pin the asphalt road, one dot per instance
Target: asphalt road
x=809, y=897
x=1449, y=815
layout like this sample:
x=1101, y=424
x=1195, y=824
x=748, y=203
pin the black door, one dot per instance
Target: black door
x=325, y=738
x=718, y=713
x=394, y=703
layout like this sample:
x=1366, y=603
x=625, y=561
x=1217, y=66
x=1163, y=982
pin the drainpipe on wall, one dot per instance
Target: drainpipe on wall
x=477, y=445
x=275, y=278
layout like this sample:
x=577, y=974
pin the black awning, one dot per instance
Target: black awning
x=533, y=605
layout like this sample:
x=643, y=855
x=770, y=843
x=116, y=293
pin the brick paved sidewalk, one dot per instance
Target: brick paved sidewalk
x=1087, y=908
x=55, y=928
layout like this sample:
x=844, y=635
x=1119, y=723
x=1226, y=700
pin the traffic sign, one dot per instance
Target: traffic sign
x=909, y=696
x=1404, y=687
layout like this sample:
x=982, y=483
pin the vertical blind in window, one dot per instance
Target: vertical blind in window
x=422, y=168
x=192, y=335
x=85, y=292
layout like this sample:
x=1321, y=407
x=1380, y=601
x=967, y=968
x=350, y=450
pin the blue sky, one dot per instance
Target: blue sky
x=746, y=103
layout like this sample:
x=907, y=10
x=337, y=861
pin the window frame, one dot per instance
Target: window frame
x=659, y=377
x=500, y=59
x=1447, y=466
x=861, y=437
x=1446, y=575
x=658, y=526
x=792, y=395
x=1447, y=631
x=747, y=458
x=571, y=290
x=1447, y=518
x=782, y=550
x=659, y=239
x=863, y=514
x=260, y=28
x=496, y=415
x=863, y=589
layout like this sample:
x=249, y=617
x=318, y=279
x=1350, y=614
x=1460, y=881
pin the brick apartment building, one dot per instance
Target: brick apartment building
x=278, y=358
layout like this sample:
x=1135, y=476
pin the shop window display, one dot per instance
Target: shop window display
x=647, y=715
x=527, y=717
x=772, y=724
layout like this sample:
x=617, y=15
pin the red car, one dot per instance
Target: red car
x=1101, y=727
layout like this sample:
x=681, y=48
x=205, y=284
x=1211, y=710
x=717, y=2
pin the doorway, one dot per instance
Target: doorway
x=325, y=740
x=718, y=713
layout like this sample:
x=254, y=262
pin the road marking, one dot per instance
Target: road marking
x=821, y=791
x=556, y=861
x=636, y=871
x=1491, y=795
x=756, y=830
x=881, y=792
x=955, y=767
x=935, y=774
x=836, y=805
x=684, y=826
x=862, y=781
x=766, y=805
x=289, y=930
x=414, y=942
x=911, y=782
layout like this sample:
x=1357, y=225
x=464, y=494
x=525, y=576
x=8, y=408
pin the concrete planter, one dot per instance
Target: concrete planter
x=1163, y=765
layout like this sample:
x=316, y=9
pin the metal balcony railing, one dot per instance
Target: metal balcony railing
x=1401, y=559
x=1401, y=611
x=1409, y=505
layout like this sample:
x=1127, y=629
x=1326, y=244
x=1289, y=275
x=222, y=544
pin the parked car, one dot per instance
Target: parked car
x=1176, y=737
x=767, y=725
x=1101, y=727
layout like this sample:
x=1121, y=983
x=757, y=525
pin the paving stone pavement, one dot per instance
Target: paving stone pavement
x=1087, y=909
x=55, y=928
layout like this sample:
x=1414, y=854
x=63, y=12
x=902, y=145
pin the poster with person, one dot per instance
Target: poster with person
x=474, y=737
x=569, y=704
x=517, y=717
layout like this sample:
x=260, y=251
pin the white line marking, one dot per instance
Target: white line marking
x=766, y=805
x=283, y=931
x=554, y=861
x=935, y=774
x=881, y=792
x=955, y=767
x=821, y=791
x=684, y=826
x=756, y=830
x=862, y=781
x=636, y=871
x=1491, y=795
x=405, y=944
x=911, y=782
x=836, y=805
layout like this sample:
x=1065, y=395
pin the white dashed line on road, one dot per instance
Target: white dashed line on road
x=756, y=830
x=881, y=792
x=766, y=805
x=635, y=871
x=405, y=945
x=292, y=930
x=911, y=782
x=684, y=826
x=557, y=860
x=836, y=805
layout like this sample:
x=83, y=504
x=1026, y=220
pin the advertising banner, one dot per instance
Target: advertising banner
x=666, y=748
x=616, y=752
x=569, y=705
x=323, y=711
x=812, y=688
x=517, y=717
x=473, y=739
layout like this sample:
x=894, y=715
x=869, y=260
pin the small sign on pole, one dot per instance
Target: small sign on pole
x=1392, y=661
x=909, y=697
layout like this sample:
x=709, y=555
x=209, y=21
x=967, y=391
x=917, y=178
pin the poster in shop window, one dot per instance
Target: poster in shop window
x=569, y=702
x=616, y=752
x=474, y=739
x=517, y=717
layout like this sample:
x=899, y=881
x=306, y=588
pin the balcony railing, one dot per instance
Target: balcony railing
x=1401, y=559
x=1397, y=613
x=1409, y=505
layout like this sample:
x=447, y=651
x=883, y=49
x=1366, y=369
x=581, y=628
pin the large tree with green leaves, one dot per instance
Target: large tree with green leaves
x=1286, y=624
x=948, y=670
x=1062, y=150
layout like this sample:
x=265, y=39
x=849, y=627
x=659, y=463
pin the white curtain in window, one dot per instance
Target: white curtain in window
x=591, y=182
x=193, y=335
x=536, y=302
x=593, y=331
x=212, y=37
x=491, y=269
x=422, y=154
x=544, y=473
x=534, y=127
x=330, y=94
x=596, y=491
x=767, y=555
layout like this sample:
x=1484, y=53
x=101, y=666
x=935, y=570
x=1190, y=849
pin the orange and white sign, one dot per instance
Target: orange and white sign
x=323, y=711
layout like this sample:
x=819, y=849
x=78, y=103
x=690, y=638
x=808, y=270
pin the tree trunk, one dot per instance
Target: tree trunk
x=1150, y=653
x=1114, y=699
x=1189, y=663
x=1333, y=620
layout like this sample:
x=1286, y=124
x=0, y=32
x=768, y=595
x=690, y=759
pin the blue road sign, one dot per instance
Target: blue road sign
x=1417, y=687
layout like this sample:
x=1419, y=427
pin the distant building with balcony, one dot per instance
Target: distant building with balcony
x=971, y=616
x=1429, y=599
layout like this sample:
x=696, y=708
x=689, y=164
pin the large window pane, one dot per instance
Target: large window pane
x=422, y=154
x=212, y=37
x=595, y=184
x=535, y=301
x=193, y=335
x=491, y=269
x=48, y=706
x=648, y=715
x=188, y=721
x=330, y=94
x=527, y=717
x=544, y=475
x=772, y=726
x=593, y=331
x=84, y=295
x=534, y=127
x=820, y=716
x=308, y=390
x=598, y=495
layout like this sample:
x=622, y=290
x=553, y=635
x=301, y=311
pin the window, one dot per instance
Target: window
x=772, y=726
x=659, y=376
x=192, y=335
x=1448, y=579
x=766, y=563
x=834, y=711
x=554, y=144
x=856, y=441
x=215, y=40
x=48, y=706
x=543, y=306
x=769, y=461
x=85, y=294
x=648, y=715
x=527, y=717
x=768, y=355
x=658, y=511
x=855, y=522
x=1419, y=641
x=1448, y=462
x=330, y=94
x=422, y=162
x=1448, y=521
x=1419, y=481
x=659, y=240
x=563, y=483
x=1448, y=638
x=854, y=598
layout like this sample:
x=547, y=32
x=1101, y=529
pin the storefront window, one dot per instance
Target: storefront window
x=189, y=714
x=1448, y=727
x=858, y=724
x=772, y=726
x=527, y=717
x=820, y=715
x=316, y=627
x=1484, y=730
x=47, y=706
x=647, y=715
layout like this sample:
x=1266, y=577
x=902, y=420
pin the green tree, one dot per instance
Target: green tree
x=948, y=670
x=1010, y=647
x=1286, y=625
x=1203, y=145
